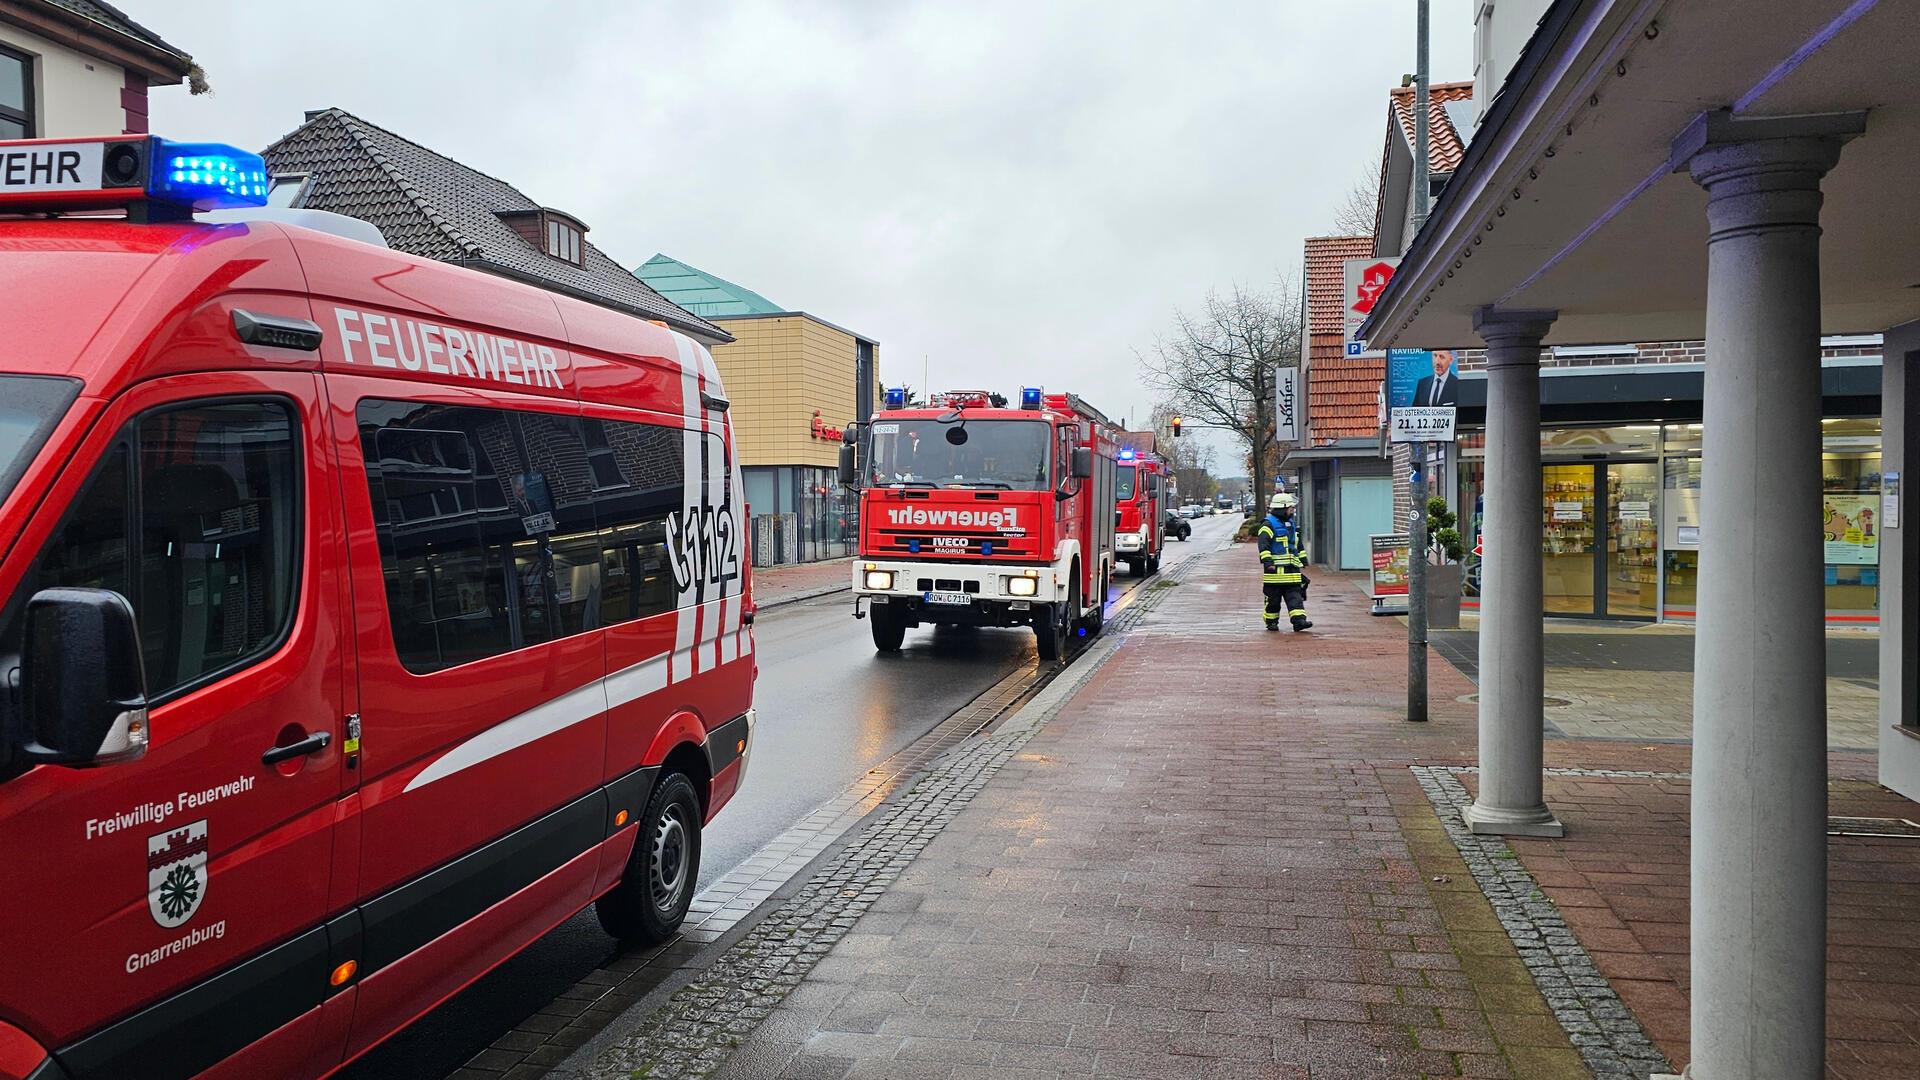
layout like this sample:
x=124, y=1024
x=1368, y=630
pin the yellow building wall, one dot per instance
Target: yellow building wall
x=777, y=371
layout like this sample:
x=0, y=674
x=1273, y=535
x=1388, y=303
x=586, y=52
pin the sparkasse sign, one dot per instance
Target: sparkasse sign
x=1363, y=280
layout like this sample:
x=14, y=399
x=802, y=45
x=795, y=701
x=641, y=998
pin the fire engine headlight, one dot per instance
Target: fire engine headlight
x=1023, y=586
x=880, y=579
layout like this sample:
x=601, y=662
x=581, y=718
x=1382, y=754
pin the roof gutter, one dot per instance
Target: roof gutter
x=1567, y=29
x=161, y=64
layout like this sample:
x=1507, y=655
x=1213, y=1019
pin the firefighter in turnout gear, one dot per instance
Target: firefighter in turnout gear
x=1283, y=560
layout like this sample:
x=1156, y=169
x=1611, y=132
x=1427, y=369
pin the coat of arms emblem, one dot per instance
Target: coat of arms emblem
x=177, y=873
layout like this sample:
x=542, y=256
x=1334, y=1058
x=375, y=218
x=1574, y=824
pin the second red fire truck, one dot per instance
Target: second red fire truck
x=978, y=513
x=1140, y=494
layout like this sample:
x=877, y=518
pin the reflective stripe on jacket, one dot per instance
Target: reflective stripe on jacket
x=1283, y=552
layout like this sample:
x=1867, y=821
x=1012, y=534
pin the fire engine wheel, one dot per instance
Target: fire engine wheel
x=1054, y=624
x=1153, y=565
x=651, y=900
x=889, y=630
x=1093, y=622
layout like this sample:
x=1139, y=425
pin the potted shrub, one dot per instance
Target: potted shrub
x=1444, y=552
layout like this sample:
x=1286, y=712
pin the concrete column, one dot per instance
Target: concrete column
x=1759, y=892
x=1512, y=672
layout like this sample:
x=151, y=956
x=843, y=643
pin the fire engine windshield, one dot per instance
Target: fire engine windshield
x=30, y=405
x=977, y=453
x=1123, y=486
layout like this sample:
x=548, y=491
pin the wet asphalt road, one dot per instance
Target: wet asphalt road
x=830, y=709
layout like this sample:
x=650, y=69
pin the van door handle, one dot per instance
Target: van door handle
x=312, y=744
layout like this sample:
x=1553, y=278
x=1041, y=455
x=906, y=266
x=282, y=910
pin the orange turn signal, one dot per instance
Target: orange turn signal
x=344, y=973
x=740, y=747
x=619, y=819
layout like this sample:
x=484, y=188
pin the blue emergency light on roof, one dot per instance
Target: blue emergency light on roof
x=206, y=176
x=896, y=397
x=1029, y=397
x=1126, y=454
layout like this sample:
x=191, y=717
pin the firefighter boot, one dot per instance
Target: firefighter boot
x=1300, y=622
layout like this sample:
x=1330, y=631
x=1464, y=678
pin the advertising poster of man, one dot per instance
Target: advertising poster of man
x=1423, y=388
x=1418, y=377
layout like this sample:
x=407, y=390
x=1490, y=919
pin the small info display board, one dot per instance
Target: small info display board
x=1390, y=572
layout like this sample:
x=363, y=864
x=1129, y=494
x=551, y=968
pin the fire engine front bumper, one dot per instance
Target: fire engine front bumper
x=1130, y=543
x=995, y=594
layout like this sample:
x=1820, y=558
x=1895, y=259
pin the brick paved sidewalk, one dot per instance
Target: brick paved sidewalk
x=1213, y=862
x=793, y=582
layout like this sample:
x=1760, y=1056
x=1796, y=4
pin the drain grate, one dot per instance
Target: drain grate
x=1545, y=702
x=1896, y=828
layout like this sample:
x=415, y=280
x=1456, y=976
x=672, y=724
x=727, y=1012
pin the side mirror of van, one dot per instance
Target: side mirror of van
x=1083, y=461
x=82, y=680
x=849, y=465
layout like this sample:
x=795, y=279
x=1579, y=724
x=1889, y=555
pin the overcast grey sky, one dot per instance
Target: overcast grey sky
x=1019, y=192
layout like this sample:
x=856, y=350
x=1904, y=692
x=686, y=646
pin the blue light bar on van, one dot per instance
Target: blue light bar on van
x=1029, y=397
x=206, y=176
x=896, y=397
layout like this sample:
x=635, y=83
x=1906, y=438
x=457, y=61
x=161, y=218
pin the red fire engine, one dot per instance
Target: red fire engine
x=982, y=514
x=1140, y=495
x=362, y=618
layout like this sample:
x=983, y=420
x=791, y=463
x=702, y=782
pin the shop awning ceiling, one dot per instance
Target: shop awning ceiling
x=1604, y=232
x=1651, y=393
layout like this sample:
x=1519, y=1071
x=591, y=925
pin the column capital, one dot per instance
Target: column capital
x=1507, y=329
x=1763, y=172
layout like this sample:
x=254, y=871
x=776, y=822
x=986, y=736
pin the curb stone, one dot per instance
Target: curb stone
x=1596, y=1021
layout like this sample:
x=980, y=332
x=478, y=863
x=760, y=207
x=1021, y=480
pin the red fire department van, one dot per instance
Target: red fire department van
x=361, y=619
x=980, y=514
x=1139, y=494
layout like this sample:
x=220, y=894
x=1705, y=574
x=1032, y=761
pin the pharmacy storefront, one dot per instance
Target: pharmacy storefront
x=1620, y=501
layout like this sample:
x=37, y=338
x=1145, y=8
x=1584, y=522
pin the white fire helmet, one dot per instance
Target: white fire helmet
x=1282, y=499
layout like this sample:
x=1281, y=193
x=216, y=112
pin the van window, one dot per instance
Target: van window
x=30, y=406
x=193, y=517
x=486, y=528
x=647, y=462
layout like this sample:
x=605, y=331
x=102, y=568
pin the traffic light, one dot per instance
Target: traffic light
x=1176, y=427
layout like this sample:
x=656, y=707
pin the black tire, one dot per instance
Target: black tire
x=1093, y=623
x=1054, y=628
x=646, y=908
x=1137, y=567
x=1153, y=565
x=889, y=630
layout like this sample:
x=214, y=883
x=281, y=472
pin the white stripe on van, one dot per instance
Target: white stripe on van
x=623, y=687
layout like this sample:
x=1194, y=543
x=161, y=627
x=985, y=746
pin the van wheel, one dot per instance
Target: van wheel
x=889, y=630
x=650, y=902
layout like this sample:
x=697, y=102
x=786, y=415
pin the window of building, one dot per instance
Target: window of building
x=287, y=191
x=563, y=240
x=16, y=94
x=193, y=517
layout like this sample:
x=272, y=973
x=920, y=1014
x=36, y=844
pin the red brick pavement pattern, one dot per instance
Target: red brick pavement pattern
x=772, y=584
x=1620, y=877
x=1211, y=863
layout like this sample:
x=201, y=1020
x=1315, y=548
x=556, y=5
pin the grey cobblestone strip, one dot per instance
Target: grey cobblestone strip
x=1609, y=1039
x=1615, y=774
x=695, y=1032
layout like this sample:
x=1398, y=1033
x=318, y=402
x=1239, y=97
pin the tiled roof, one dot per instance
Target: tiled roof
x=1446, y=144
x=430, y=205
x=1343, y=397
x=1326, y=260
x=112, y=18
x=700, y=292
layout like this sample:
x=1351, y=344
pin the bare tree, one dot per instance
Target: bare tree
x=1216, y=368
x=1358, y=212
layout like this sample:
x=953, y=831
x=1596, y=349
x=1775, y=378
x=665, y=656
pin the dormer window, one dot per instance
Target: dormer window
x=563, y=239
x=549, y=232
